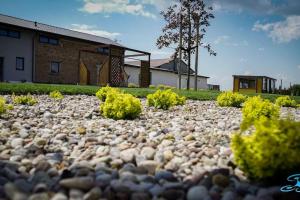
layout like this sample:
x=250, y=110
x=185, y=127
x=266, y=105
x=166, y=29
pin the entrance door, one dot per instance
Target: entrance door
x=1, y=68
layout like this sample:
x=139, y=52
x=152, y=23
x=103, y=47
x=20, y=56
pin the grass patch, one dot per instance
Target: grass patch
x=35, y=88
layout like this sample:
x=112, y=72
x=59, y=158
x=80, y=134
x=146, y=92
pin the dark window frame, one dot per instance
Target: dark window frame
x=48, y=40
x=103, y=50
x=58, y=65
x=10, y=33
x=23, y=63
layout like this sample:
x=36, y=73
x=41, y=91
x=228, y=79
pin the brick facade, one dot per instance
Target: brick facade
x=68, y=53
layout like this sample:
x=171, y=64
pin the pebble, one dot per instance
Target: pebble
x=83, y=183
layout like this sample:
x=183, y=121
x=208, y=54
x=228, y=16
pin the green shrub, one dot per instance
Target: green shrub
x=230, y=99
x=270, y=151
x=3, y=106
x=164, y=87
x=102, y=92
x=132, y=85
x=24, y=100
x=164, y=99
x=121, y=106
x=286, y=101
x=255, y=108
x=152, y=86
x=56, y=95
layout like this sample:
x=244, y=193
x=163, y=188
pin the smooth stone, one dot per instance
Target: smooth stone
x=198, y=193
x=173, y=194
x=13, y=193
x=220, y=180
x=39, y=196
x=140, y=196
x=166, y=175
x=93, y=194
x=149, y=165
x=16, y=142
x=148, y=153
x=128, y=155
x=23, y=133
x=156, y=190
x=82, y=183
x=229, y=195
x=59, y=196
x=76, y=194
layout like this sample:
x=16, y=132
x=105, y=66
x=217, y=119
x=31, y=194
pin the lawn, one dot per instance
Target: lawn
x=33, y=88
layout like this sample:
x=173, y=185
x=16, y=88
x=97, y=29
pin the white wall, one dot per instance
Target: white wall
x=165, y=78
x=10, y=48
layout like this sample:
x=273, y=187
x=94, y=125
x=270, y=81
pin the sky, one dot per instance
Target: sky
x=251, y=37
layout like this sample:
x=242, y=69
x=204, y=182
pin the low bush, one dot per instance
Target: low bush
x=121, y=106
x=56, y=95
x=152, y=86
x=3, y=106
x=132, y=85
x=270, y=151
x=102, y=92
x=164, y=87
x=24, y=100
x=286, y=101
x=164, y=99
x=255, y=108
x=230, y=99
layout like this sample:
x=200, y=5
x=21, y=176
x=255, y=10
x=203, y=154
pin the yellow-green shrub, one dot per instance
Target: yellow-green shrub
x=286, y=101
x=3, y=106
x=164, y=99
x=164, y=87
x=24, y=100
x=255, y=108
x=152, y=86
x=102, y=92
x=121, y=106
x=230, y=99
x=56, y=95
x=132, y=85
x=272, y=149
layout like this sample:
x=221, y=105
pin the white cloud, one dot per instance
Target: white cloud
x=116, y=6
x=225, y=40
x=94, y=31
x=248, y=73
x=243, y=60
x=298, y=66
x=261, y=49
x=221, y=39
x=281, y=31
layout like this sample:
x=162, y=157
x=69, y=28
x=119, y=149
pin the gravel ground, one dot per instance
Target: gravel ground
x=67, y=150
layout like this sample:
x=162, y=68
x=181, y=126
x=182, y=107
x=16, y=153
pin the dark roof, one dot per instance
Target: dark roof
x=161, y=69
x=55, y=30
x=252, y=76
x=154, y=63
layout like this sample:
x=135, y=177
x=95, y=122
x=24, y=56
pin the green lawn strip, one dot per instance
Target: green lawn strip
x=35, y=88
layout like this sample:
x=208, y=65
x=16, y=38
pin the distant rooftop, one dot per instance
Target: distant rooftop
x=55, y=30
x=253, y=76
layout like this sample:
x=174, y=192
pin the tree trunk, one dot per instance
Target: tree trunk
x=180, y=54
x=196, y=59
x=189, y=49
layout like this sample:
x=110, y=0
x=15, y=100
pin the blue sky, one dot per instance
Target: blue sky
x=251, y=37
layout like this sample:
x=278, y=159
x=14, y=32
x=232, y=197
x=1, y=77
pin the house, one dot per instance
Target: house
x=253, y=84
x=164, y=71
x=36, y=52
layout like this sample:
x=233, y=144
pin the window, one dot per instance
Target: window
x=48, y=40
x=9, y=33
x=20, y=64
x=55, y=67
x=44, y=39
x=53, y=41
x=247, y=84
x=103, y=50
x=13, y=34
x=3, y=32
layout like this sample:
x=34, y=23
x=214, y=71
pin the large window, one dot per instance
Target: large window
x=9, y=33
x=48, y=40
x=20, y=64
x=103, y=50
x=54, y=68
x=247, y=84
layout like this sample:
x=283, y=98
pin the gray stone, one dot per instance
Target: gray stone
x=149, y=165
x=16, y=142
x=82, y=183
x=198, y=193
x=148, y=153
x=128, y=155
x=59, y=196
x=93, y=194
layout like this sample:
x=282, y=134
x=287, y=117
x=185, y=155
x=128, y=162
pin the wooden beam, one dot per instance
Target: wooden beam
x=134, y=55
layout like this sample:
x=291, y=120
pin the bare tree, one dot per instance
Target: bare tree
x=192, y=16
